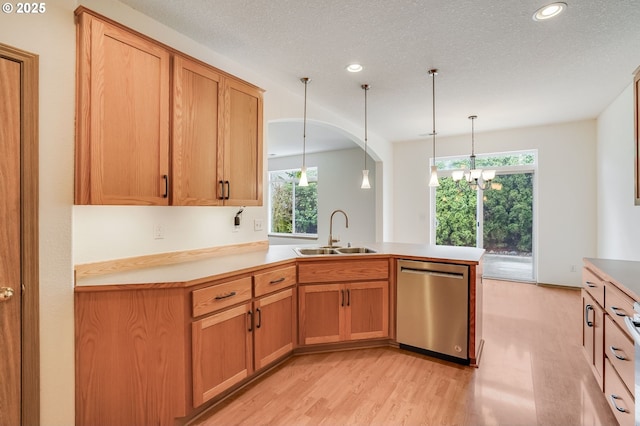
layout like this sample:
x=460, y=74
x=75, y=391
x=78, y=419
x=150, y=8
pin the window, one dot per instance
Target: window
x=293, y=209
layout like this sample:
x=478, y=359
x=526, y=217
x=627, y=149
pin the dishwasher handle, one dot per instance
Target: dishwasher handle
x=455, y=275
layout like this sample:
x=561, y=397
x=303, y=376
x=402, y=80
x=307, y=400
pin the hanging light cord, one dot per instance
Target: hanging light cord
x=305, y=80
x=473, y=143
x=366, y=88
x=433, y=75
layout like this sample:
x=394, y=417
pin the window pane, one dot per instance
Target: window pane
x=306, y=217
x=455, y=215
x=294, y=209
x=281, y=207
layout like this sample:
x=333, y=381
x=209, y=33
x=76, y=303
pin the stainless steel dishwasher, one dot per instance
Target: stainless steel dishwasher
x=433, y=309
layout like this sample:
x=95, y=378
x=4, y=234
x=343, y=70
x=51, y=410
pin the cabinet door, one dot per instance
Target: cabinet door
x=275, y=325
x=593, y=335
x=122, y=145
x=196, y=131
x=242, y=174
x=321, y=313
x=221, y=351
x=367, y=314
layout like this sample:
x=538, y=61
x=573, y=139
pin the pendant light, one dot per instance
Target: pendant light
x=433, y=182
x=365, y=171
x=303, y=171
x=472, y=177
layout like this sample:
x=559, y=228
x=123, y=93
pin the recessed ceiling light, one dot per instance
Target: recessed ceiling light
x=549, y=11
x=354, y=68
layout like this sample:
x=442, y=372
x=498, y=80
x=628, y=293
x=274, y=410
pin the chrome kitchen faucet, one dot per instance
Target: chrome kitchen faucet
x=331, y=240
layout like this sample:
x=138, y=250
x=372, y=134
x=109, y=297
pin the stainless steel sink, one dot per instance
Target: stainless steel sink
x=352, y=250
x=321, y=251
x=315, y=251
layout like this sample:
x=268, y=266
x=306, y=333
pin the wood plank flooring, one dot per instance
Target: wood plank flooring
x=532, y=372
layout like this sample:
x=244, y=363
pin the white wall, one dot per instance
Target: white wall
x=566, y=225
x=339, y=179
x=618, y=217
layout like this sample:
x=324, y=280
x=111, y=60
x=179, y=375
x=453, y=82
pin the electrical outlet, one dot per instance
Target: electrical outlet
x=158, y=231
x=257, y=225
x=573, y=268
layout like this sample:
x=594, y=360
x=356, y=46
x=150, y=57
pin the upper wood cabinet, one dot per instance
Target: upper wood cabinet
x=197, y=128
x=131, y=91
x=242, y=152
x=122, y=119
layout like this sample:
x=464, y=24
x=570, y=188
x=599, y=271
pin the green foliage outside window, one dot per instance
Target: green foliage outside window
x=285, y=194
x=507, y=209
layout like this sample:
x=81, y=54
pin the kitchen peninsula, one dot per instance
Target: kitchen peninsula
x=167, y=342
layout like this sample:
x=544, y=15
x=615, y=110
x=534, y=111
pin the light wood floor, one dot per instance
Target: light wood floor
x=532, y=372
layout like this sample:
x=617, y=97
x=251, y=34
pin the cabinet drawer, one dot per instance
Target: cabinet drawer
x=620, y=351
x=215, y=297
x=618, y=396
x=343, y=270
x=618, y=305
x=268, y=282
x=594, y=285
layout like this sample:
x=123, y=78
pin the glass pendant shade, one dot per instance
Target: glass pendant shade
x=365, y=180
x=433, y=182
x=457, y=175
x=488, y=174
x=303, y=177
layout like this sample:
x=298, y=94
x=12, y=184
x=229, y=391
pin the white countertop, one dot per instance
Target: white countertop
x=215, y=267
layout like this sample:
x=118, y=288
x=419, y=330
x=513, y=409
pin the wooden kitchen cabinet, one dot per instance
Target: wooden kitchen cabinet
x=343, y=300
x=129, y=96
x=122, y=118
x=240, y=180
x=340, y=312
x=636, y=125
x=593, y=335
x=196, y=132
x=274, y=332
x=221, y=351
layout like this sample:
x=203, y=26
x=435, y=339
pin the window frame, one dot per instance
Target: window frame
x=312, y=177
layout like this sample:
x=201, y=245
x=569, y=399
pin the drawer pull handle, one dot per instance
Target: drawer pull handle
x=613, y=350
x=279, y=280
x=590, y=284
x=225, y=296
x=588, y=308
x=613, y=401
x=615, y=310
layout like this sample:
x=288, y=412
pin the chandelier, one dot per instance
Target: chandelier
x=476, y=179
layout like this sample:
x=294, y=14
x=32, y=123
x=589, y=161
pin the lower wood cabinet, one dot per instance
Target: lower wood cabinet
x=274, y=332
x=593, y=335
x=338, y=312
x=222, y=350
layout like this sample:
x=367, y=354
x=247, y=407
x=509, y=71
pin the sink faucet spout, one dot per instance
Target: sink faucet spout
x=331, y=239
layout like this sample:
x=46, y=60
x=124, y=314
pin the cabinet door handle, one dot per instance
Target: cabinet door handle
x=166, y=186
x=259, y=311
x=588, y=308
x=342, y=294
x=279, y=280
x=225, y=296
x=590, y=284
x=613, y=398
x=348, y=297
x=221, y=183
x=613, y=350
x=228, y=190
x=250, y=316
x=614, y=310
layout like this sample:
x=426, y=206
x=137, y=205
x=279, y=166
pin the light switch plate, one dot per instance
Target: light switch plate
x=257, y=225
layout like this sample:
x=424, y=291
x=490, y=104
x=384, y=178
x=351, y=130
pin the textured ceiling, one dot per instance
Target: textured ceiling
x=495, y=61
